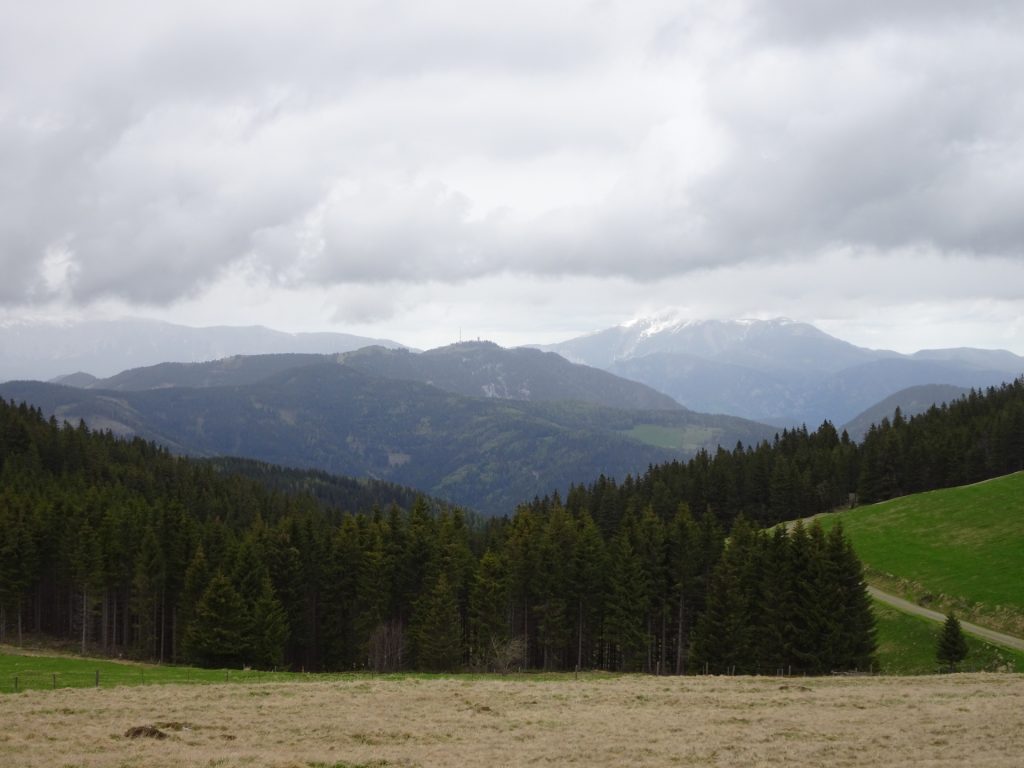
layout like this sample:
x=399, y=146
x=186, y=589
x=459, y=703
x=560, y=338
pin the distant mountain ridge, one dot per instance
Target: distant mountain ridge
x=43, y=351
x=778, y=371
x=911, y=401
x=473, y=369
x=370, y=414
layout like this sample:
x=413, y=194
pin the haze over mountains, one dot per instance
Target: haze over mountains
x=776, y=371
x=102, y=348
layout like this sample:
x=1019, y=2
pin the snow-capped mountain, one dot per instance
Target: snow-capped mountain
x=780, y=371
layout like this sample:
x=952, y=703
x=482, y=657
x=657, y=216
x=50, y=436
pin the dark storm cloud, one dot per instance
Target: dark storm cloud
x=149, y=151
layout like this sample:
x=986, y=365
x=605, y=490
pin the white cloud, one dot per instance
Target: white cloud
x=478, y=158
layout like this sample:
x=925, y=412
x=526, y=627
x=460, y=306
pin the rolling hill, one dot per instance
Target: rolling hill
x=473, y=369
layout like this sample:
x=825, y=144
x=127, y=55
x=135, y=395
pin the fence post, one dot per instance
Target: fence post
x=15, y=683
x=97, y=678
x=55, y=681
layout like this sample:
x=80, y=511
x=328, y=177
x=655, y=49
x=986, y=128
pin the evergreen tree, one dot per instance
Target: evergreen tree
x=625, y=606
x=776, y=631
x=217, y=635
x=952, y=646
x=556, y=553
x=436, y=633
x=684, y=567
x=147, y=594
x=197, y=579
x=856, y=641
x=588, y=585
x=489, y=602
x=269, y=629
x=724, y=636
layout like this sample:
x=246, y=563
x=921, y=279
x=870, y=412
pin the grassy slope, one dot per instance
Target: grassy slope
x=45, y=670
x=958, y=548
x=906, y=646
x=38, y=671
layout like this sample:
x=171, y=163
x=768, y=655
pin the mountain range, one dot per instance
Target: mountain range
x=775, y=371
x=472, y=423
x=779, y=372
x=102, y=348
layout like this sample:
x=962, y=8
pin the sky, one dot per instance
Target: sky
x=519, y=171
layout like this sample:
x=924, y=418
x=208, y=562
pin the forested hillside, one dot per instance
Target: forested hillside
x=801, y=473
x=486, y=454
x=122, y=547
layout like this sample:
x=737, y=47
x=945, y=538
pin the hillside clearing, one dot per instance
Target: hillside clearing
x=629, y=720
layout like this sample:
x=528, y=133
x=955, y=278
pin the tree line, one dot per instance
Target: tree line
x=127, y=549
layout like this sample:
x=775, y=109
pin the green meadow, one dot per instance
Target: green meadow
x=956, y=549
x=44, y=672
x=30, y=670
x=906, y=646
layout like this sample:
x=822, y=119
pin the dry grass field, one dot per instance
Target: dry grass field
x=951, y=720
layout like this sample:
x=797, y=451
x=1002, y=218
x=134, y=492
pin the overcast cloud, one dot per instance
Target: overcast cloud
x=526, y=171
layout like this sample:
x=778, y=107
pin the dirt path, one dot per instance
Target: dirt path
x=906, y=606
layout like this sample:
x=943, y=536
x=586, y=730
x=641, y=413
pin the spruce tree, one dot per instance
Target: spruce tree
x=489, y=608
x=269, y=629
x=952, y=647
x=436, y=631
x=724, y=637
x=857, y=641
x=555, y=622
x=588, y=587
x=216, y=636
x=625, y=606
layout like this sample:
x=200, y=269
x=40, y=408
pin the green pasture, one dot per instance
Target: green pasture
x=687, y=439
x=43, y=672
x=906, y=646
x=34, y=671
x=957, y=548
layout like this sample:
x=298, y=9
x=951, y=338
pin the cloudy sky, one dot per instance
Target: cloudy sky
x=520, y=171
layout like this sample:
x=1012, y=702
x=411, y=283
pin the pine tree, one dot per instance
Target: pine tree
x=489, y=607
x=588, y=588
x=436, y=630
x=857, y=643
x=952, y=647
x=557, y=546
x=625, y=606
x=269, y=629
x=724, y=637
x=216, y=636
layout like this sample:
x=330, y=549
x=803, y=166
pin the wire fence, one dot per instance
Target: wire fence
x=126, y=675
x=103, y=678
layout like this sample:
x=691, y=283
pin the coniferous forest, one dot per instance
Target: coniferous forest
x=125, y=549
